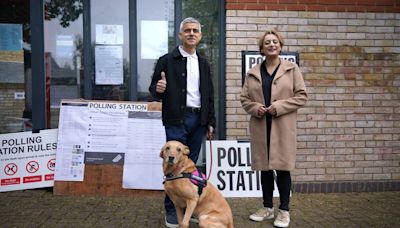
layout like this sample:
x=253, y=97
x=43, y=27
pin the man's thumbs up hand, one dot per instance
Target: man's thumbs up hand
x=162, y=83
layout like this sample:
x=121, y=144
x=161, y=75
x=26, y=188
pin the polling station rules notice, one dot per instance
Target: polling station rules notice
x=27, y=160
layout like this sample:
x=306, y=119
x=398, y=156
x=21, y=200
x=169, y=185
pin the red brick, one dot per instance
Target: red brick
x=287, y=2
x=268, y=1
x=296, y=7
x=328, y=2
x=392, y=9
x=235, y=6
x=375, y=8
x=251, y=6
x=275, y=7
x=345, y=2
x=350, y=76
x=249, y=1
x=316, y=8
x=367, y=2
x=307, y=1
x=386, y=3
x=355, y=9
x=336, y=8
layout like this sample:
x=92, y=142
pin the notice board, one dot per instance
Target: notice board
x=94, y=141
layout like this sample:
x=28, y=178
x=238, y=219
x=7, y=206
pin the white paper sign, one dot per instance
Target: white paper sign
x=71, y=141
x=252, y=58
x=27, y=160
x=109, y=65
x=109, y=34
x=64, y=46
x=154, y=45
x=147, y=137
x=231, y=169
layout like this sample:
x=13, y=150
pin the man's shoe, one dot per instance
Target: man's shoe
x=262, y=214
x=171, y=220
x=283, y=219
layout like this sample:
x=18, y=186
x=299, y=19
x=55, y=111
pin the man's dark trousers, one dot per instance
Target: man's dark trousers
x=190, y=133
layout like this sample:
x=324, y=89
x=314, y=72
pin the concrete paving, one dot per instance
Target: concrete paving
x=40, y=208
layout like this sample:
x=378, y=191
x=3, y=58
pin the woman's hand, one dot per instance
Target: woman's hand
x=271, y=110
x=262, y=110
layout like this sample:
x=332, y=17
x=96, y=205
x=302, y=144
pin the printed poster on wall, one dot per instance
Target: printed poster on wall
x=27, y=160
x=109, y=34
x=109, y=65
x=11, y=37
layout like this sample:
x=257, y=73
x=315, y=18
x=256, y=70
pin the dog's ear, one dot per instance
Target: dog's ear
x=186, y=150
x=162, y=152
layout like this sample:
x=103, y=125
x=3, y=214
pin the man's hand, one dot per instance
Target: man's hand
x=210, y=133
x=161, y=84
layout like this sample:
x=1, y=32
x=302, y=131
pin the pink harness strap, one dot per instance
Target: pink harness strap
x=196, y=177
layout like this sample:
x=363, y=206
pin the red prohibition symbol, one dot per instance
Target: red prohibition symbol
x=10, y=169
x=51, y=164
x=32, y=167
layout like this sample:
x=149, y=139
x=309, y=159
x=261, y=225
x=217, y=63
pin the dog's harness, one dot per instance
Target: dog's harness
x=196, y=177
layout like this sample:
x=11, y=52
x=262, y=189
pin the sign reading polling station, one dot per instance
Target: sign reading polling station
x=229, y=168
x=252, y=58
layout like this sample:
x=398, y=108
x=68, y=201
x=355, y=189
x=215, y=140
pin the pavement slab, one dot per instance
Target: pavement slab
x=40, y=208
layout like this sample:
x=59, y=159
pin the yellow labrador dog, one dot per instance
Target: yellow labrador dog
x=206, y=203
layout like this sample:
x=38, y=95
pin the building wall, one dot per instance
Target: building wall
x=349, y=131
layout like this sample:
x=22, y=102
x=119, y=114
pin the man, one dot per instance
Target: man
x=182, y=80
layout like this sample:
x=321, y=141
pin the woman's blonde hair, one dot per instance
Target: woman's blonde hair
x=272, y=31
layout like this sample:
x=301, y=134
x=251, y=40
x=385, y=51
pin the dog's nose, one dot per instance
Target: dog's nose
x=171, y=159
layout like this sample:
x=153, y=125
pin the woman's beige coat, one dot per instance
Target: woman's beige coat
x=288, y=93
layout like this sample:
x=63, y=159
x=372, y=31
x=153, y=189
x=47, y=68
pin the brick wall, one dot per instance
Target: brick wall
x=386, y=6
x=350, y=128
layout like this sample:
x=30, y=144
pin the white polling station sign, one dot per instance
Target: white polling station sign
x=230, y=171
x=27, y=160
x=252, y=58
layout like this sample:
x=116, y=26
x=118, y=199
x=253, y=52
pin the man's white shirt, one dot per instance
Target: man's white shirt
x=193, y=79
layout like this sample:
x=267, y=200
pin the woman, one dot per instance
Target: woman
x=271, y=94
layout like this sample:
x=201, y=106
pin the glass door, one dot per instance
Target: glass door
x=208, y=12
x=63, y=27
x=110, y=48
x=155, y=37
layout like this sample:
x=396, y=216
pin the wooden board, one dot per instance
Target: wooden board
x=103, y=179
x=99, y=180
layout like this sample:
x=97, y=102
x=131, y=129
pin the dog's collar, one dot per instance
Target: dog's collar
x=196, y=177
x=171, y=176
